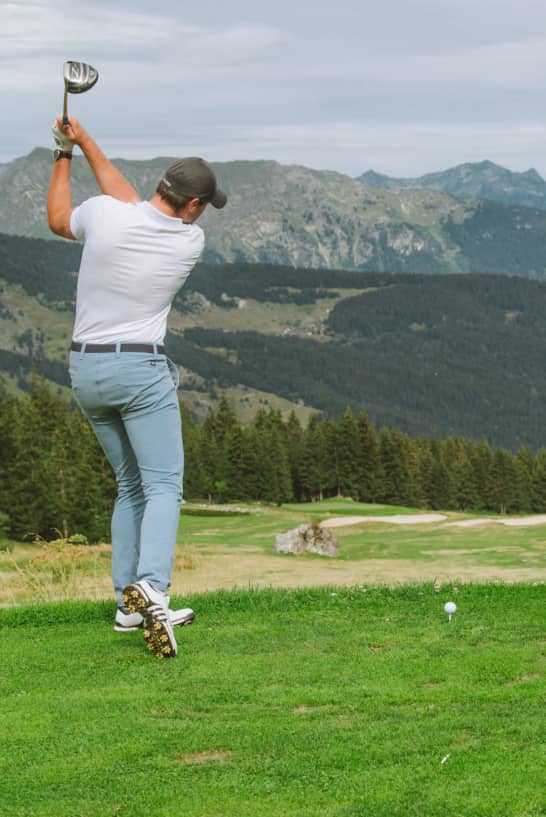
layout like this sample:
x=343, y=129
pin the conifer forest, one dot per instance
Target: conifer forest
x=55, y=480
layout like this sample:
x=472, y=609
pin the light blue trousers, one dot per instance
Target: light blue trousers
x=131, y=402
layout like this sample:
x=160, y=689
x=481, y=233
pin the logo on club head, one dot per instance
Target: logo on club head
x=79, y=76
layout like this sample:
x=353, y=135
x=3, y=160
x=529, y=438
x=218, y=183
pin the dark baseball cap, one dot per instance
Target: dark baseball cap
x=195, y=178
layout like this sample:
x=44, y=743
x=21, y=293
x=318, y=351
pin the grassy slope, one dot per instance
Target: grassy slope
x=330, y=703
x=269, y=318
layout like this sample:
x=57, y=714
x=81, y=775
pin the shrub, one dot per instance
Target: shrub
x=78, y=539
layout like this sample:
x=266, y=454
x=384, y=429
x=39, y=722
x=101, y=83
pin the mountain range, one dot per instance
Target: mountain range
x=308, y=218
x=473, y=180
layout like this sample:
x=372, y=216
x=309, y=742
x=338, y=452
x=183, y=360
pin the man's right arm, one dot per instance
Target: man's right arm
x=109, y=179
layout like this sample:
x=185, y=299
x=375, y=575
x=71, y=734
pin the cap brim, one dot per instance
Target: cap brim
x=219, y=200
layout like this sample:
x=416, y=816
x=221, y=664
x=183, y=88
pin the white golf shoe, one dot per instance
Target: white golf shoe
x=153, y=606
x=126, y=622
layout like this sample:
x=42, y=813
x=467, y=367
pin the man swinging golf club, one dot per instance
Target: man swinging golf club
x=136, y=256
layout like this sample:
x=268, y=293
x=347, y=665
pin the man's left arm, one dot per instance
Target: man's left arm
x=109, y=179
x=59, y=199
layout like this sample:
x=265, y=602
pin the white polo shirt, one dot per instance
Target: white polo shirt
x=134, y=261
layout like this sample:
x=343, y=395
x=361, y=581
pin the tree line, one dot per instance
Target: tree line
x=55, y=480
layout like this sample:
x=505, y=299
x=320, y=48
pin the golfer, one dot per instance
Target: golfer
x=136, y=256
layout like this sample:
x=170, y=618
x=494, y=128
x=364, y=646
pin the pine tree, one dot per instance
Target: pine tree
x=346, y=454
x=90, y=482
x=503, y=492
x=249, y=478
x=235, y=458
x=524, y=465
x=294, y=435
x=193, y=473
x=331, y=465
x=416, y=494
x=394, y=459
x=276, y=479
x=369, y=471
x=539, y=482
x=481, y=458
x=313, y=463
x=438, y=488
x=465, y=494
x=9, y=418
x=208, y=454
x=454, y=456
x=39, y=499
x=282, y=482
x=224, y=419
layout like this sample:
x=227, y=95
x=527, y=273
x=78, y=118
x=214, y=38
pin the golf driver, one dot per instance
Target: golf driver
x=78, y=77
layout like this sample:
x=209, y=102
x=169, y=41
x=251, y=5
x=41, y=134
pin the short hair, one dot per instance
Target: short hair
x=175, y=201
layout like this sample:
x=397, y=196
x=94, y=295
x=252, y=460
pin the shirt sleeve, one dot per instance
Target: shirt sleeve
x=190, y=259
x=82, y=217
x=201, y=247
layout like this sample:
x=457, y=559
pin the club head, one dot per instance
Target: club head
x=79, y=77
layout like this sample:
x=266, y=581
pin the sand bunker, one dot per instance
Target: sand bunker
x=396, y=519
x=427, y=518
x=512, y=521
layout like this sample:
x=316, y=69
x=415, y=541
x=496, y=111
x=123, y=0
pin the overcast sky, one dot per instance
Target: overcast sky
x=401, y=86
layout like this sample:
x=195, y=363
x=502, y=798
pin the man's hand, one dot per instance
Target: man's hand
x=111, y=182
x=61, y=139
x=73, y=131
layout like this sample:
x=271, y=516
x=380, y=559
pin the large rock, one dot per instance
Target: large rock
x=307, y=539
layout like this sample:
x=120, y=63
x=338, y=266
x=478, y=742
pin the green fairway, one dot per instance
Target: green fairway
x=488, y=545
x=349, y=507
x=360, y=702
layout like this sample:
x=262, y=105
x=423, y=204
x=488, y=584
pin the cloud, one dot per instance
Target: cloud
x=317, y=84
x=407, y=149
x=36, y=30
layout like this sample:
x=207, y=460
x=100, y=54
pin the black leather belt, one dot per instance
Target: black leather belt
x=123, y=347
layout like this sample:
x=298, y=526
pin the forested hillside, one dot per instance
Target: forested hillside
x=425, y=354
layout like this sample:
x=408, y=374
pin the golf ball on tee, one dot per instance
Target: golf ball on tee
x=450, y=607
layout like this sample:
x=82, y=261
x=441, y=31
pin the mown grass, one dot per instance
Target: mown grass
x=311, y=703
x=348, y=507
x=489, y=545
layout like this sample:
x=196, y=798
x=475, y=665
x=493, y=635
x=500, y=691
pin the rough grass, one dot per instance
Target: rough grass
x=238, y=551
x=313, y=703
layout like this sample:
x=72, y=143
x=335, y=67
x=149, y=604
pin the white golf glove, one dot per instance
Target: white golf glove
x=61, y=139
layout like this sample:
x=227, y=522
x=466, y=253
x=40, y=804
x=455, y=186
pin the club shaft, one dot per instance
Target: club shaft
x=65, y=108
